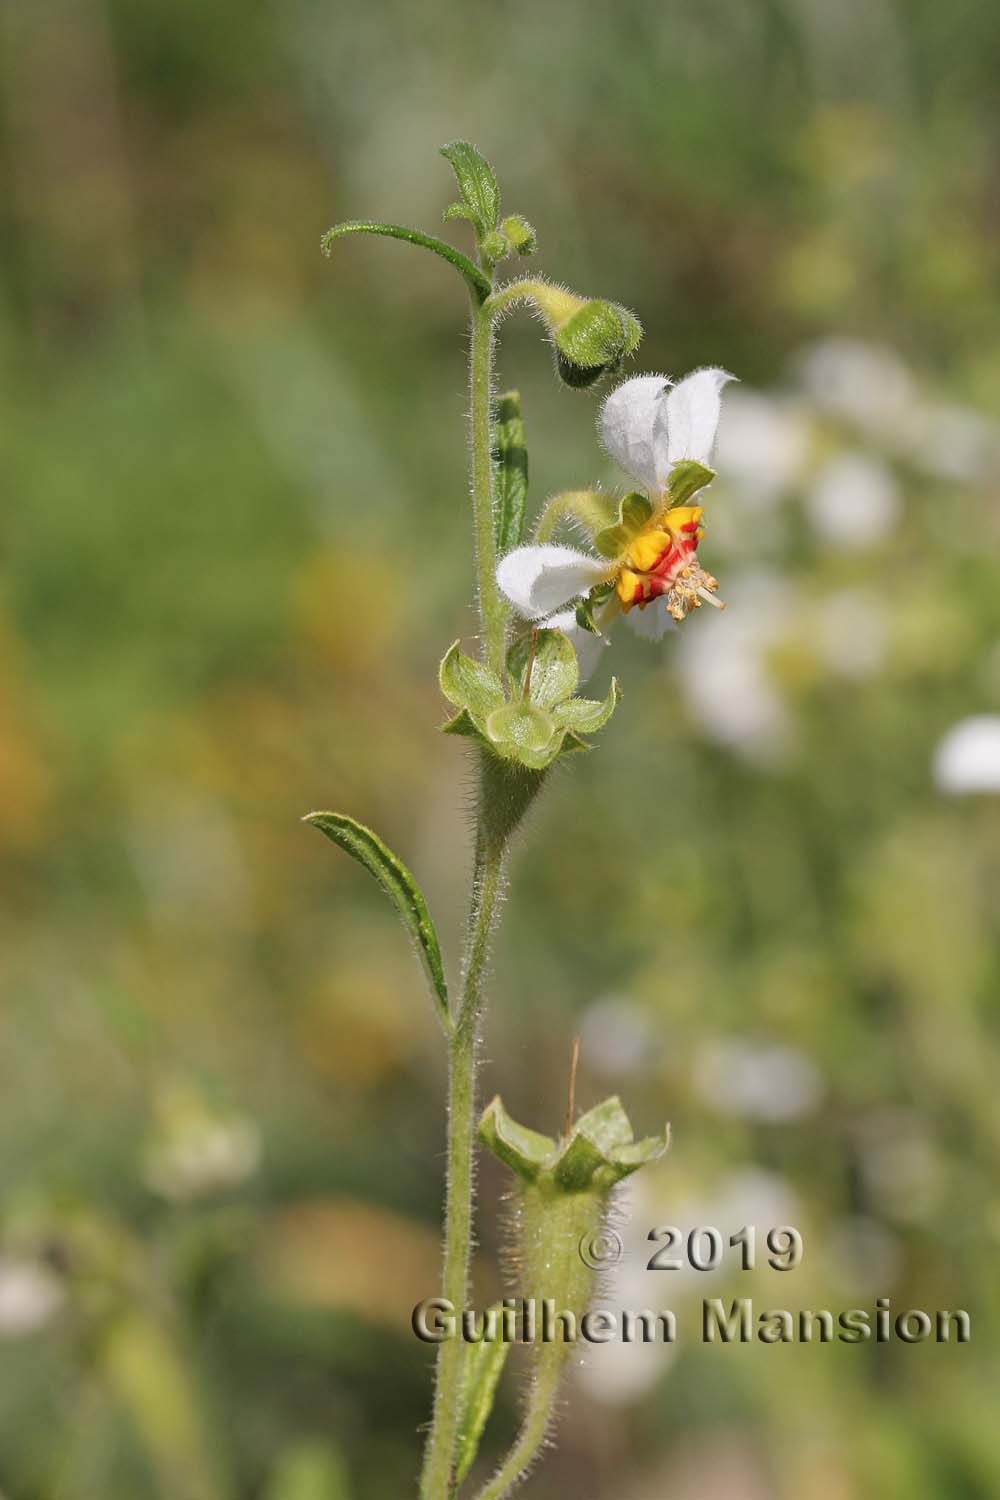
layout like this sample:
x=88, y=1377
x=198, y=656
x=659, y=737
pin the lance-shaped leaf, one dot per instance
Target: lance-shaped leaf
x=483, y=1364
x=401, y=888
x=510, y=458
x=477, y=184
x=477, y=282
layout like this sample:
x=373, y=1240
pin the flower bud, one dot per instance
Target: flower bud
x=591, y=337
x=520, y=234
x=494, y=246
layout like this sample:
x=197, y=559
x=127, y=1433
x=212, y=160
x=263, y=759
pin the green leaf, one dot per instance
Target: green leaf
x=587, y=715
x=482, y=1366
x=555, y=671
x=476, y=183
x=477, y=282
x=401, y=888
x=469, y=683
x=458, y=211
x=686, y=479
x=633, y=513
x=510, y=457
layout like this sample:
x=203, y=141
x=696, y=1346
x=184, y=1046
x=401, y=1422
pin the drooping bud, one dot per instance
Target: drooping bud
x=591, y=337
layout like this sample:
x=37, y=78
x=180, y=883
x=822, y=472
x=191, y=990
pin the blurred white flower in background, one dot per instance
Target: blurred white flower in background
x=967, y=759
x=854, y=500
x=616, y=1036
x=195, y=1150
x=763, y=446
x=617, y=1373
x=766, y=1081
x=724, y=672
x=867, y=385
x=30, y=1296
x=954, y=442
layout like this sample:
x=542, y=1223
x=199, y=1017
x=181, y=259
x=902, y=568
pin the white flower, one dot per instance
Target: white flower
x=648, y=426
x=968, y=757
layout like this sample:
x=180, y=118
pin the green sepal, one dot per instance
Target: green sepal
x=633, y=513
x=515, y=732
x=464, y=724
x=573, y=743
x=482, y=1366
x=555, y=670
x=598, y=1152
x=587, y=715
x=525, y=1151
x=476, y=183
x=520, y=234
x=477, y=282
x=401, y=888
x=520, y=731
x=594, y=341
x=469, y=683
x=510, y=459
x=686, y=479
x=594, y=600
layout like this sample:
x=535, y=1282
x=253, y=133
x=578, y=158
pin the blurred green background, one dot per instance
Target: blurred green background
x=234, y=543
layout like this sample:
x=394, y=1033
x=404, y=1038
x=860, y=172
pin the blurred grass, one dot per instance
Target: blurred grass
x=234, y=545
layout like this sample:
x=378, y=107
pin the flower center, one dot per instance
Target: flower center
x=661, y=561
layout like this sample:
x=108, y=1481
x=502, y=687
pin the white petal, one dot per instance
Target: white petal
x=538, y=580
x=628, y=423
x=686, y=428
x=589, y=647
x=653, y=622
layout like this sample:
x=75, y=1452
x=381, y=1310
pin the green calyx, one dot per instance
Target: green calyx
x=591, y=337
x=599, y=1150
x=539, y=719
x=594, y=342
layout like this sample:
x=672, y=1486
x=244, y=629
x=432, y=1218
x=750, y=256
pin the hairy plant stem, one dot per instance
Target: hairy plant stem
x=537, y=1420
x=504, y=793
x=492, y=610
